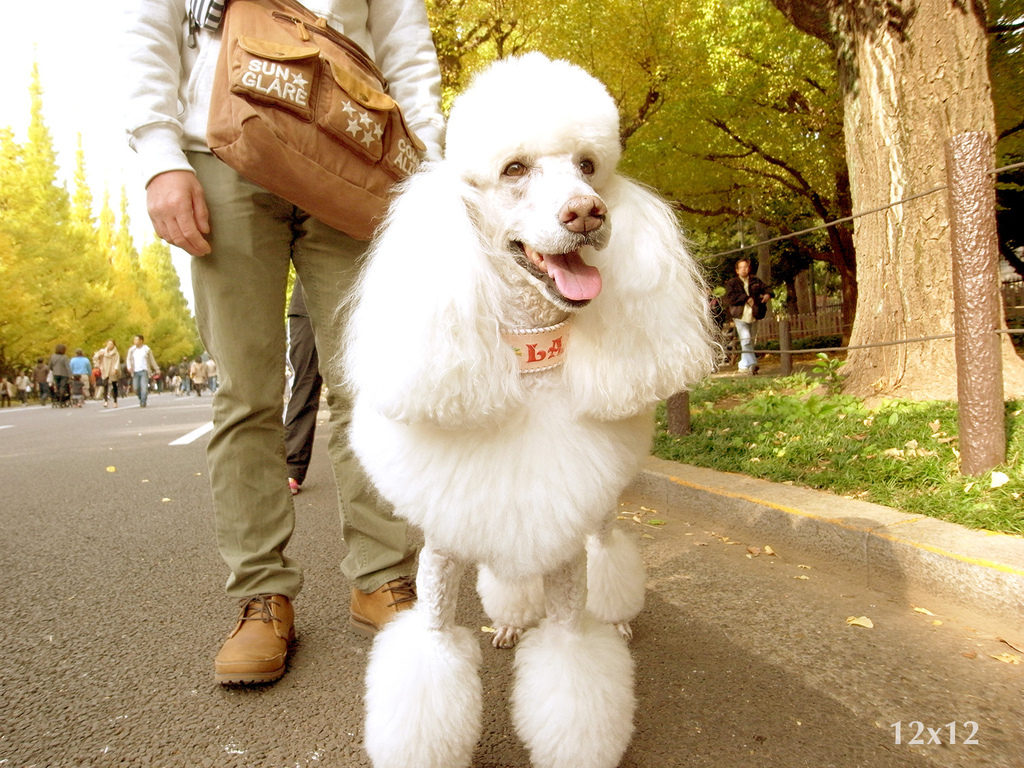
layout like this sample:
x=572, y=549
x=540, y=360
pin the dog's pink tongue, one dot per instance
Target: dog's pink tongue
x=576, y=280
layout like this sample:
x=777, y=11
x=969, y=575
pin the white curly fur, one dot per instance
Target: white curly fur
x=423, y=684
x=509, y=470
x=573, y=699
x=616, y=580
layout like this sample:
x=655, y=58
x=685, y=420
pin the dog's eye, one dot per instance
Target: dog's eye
x=587, y=166
x=514, y=169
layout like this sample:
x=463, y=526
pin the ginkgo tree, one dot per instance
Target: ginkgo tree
x=68, y=277
x=725, y=108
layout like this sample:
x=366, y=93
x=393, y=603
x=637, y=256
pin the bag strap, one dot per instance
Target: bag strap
x=206, y=14
x=299, y=14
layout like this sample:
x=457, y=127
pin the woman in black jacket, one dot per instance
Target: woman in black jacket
x=747, y=300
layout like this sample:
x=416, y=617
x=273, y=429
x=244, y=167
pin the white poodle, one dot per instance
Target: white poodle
x=522, y=311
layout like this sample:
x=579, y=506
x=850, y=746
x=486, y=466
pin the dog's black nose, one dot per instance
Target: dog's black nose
x=583, y=214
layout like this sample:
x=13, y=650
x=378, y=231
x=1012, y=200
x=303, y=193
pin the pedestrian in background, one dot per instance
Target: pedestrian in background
x=109, y=361
x=747, y=299
x=197, y=372
x=183, y=371
x=40, y=376
x=7, y=391
x=211, y=375
x=141, y=365
x=60, y=369
x=23, y=383
x=81, y=369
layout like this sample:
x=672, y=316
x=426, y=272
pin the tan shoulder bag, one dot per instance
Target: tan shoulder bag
x=303, y=111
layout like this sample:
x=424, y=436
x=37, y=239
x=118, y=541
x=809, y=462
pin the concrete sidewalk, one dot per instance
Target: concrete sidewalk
x=979, y=572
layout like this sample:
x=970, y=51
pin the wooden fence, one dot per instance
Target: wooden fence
x=828, y=320
x=1013, y=302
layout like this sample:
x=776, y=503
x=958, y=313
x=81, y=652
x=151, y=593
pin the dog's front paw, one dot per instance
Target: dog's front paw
x=625, y=629
x=506, y=636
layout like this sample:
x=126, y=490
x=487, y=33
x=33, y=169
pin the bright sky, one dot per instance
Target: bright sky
x=77, y=46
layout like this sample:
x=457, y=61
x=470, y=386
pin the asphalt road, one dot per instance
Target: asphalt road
x=114, y=609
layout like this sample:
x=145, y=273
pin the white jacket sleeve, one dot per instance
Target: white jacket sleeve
x=153, y=45
x=169, y=83
x=404, y=51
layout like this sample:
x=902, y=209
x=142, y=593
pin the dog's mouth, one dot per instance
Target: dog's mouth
x=575, y=281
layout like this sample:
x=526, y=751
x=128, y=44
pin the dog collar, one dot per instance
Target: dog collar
x=539, y=349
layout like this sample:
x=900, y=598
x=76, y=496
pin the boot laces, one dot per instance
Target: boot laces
x=264, y=612
x=403, y=590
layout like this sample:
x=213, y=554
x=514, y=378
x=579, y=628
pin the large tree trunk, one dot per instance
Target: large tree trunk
x=913, y=75
x=843, y=258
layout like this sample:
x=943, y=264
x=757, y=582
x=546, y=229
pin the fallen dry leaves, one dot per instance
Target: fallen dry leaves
x=1007, y=658
x=910, y=450
x=639, y=517
x=1007, y=642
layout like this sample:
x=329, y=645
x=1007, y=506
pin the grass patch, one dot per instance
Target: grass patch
x=902, y=454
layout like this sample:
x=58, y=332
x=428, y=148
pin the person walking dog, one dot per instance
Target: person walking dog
x=243, y=239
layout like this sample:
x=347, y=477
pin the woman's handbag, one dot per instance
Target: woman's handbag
x=303, y=111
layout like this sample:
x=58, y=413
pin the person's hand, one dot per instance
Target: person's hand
x=177, y=208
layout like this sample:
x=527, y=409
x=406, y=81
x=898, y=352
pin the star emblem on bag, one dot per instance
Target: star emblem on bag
x=363, y=127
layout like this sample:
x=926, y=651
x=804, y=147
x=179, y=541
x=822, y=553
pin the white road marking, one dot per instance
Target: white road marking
x=194, y=435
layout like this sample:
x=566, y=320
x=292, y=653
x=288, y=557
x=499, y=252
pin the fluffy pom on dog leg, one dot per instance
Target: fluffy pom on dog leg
x=616, y=579
x=573, y=701
x=424, y=698
x=511, y=606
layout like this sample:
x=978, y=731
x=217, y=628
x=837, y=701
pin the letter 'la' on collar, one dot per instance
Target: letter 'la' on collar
x=539, y=349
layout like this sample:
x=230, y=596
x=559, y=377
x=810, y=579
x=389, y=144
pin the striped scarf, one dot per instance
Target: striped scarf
x=206, y=13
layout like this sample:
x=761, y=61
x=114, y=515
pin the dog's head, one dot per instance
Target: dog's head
x=521, y=207
x=538, y=140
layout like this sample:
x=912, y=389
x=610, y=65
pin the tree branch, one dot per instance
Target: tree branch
x=725, y=210
x=652, y=102
x=803, y=187
x=809, y=16
x=999, y=29
x=1010, y=131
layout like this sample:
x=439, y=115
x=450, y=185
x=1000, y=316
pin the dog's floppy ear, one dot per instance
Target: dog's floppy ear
x=422, y=342
x=647, y=334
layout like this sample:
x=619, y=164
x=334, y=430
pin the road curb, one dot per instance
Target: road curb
x=910, y=555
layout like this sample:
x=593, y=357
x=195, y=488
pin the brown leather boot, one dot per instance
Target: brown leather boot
x=257, y=648
x=372, y=610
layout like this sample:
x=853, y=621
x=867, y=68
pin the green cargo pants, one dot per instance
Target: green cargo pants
x=240, y=309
